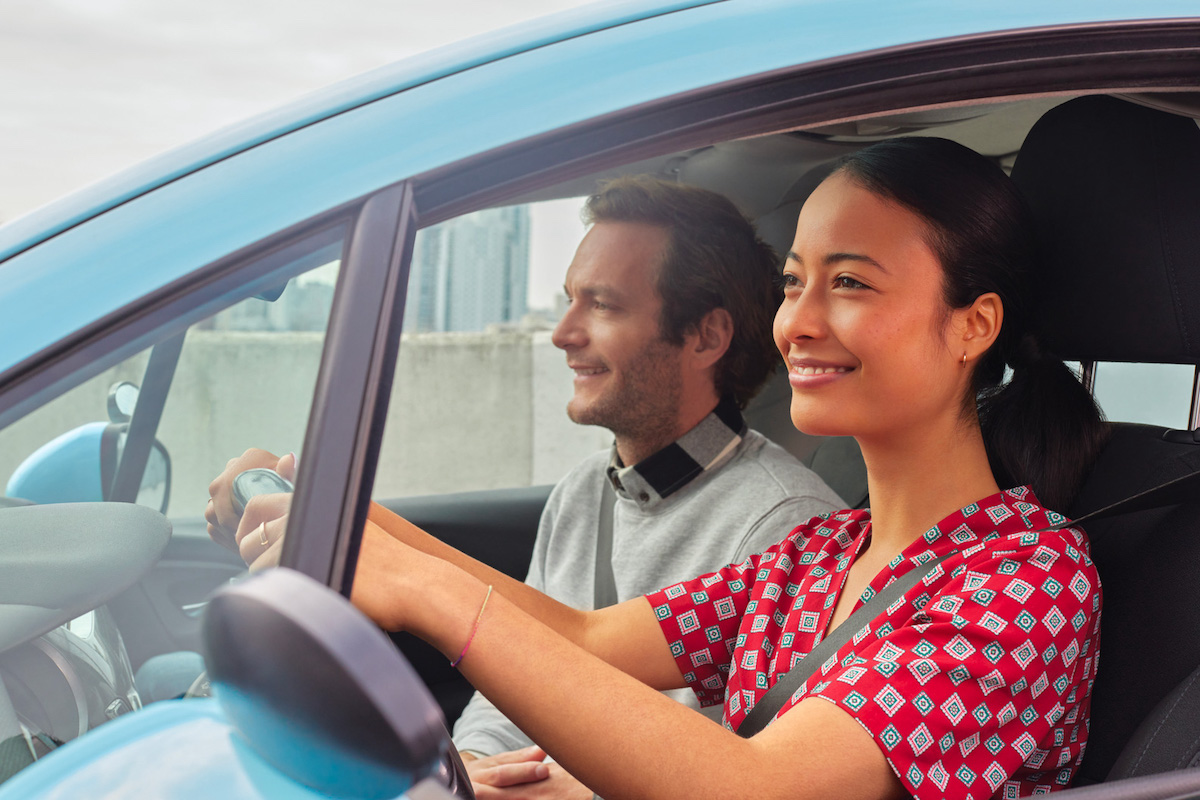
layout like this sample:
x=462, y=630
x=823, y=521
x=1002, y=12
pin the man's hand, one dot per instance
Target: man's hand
x=522, y=774
x=222, y=520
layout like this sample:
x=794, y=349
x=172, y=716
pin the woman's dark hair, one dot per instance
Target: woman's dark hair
x=714, y=259
x=1041, y=428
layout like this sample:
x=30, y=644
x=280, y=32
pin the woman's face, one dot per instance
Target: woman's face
x=863, y=326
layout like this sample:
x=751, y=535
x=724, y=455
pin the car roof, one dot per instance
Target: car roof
x=97, y=252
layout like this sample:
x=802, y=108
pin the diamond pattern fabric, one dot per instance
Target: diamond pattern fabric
x=975, y=684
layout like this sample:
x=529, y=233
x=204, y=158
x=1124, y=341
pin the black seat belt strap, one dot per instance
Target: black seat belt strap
x=1179, y=490
x=766, y=708
x=605, y=587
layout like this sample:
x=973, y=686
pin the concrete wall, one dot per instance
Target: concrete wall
x=468, y=411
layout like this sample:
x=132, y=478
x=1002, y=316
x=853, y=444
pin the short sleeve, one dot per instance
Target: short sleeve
x=700, y=620
x=990, y=678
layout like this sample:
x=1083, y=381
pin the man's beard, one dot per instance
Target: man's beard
x=643, y=401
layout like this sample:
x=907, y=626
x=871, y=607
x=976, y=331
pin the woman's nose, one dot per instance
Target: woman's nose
x=802, y=317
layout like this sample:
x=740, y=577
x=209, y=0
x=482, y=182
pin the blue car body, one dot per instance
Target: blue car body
x=72, y=268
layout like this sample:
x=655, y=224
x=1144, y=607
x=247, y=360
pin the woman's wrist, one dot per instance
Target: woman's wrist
x=443, y=604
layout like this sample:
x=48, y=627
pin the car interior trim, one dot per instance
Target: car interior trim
x=353, y=387
x=1094, y=58
x=71, y=677
x=143, y=425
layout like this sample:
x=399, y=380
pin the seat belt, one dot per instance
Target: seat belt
x=605, y=585
x=1173, y=492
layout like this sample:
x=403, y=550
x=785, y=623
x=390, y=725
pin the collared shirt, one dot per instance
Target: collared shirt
x=976, y=684
x=704, y=448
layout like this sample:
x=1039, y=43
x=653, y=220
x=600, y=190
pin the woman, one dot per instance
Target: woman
x=907, y=291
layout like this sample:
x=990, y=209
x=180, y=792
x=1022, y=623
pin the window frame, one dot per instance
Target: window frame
x=1095, y=58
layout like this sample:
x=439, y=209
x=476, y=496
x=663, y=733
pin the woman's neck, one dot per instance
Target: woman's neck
x=917, y=482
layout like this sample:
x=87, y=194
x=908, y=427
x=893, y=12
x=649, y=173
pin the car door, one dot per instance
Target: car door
x=660, y=136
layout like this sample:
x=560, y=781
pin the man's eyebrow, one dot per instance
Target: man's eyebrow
x=594, y=291
x=833, y=258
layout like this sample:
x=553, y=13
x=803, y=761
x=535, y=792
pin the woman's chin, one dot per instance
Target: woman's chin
x=812, y=424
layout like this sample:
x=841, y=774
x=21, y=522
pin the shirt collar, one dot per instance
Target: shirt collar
x=703, y=448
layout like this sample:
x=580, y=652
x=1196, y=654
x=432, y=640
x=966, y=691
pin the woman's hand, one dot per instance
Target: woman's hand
x=223, y=521
x=259, y=536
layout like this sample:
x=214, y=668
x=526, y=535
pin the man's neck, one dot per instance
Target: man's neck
x=633, y=448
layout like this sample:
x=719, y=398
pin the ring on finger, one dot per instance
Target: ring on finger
x=262, y=535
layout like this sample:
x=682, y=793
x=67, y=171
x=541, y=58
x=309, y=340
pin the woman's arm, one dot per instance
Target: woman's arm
x=625, y=635
x=606, y=727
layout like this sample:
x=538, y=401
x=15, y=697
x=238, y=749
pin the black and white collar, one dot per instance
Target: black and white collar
x=703, y=448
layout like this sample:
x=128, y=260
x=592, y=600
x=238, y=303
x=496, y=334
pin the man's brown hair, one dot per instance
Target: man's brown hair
x=714, y=259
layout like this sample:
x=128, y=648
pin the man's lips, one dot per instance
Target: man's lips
x=585, y=370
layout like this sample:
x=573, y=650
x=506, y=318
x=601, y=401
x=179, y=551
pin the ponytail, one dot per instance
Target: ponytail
x=1041, y=427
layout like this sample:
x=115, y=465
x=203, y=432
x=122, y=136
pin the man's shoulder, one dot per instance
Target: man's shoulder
x=587, y=470
x=584, y=476
x=775, y=468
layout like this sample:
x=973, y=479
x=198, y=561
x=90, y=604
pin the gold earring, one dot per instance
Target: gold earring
x=964, y=361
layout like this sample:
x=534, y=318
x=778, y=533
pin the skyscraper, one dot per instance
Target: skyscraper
x=470, y=272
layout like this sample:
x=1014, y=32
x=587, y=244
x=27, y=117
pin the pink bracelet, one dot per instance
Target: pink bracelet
x=475, y=627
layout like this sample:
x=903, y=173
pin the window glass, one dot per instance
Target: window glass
x=244, y=376
x=1156, y=394
x=480, y=393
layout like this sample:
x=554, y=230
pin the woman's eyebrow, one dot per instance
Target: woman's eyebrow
x=833, y=258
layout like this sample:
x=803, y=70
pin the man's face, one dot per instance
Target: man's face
x=627, y=379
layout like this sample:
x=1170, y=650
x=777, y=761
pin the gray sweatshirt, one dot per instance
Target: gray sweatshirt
x=750, y=497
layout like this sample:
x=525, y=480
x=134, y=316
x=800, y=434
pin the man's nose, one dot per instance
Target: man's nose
x=569, y=332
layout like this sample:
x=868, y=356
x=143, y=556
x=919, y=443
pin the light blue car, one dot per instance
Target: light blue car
x=251, y=289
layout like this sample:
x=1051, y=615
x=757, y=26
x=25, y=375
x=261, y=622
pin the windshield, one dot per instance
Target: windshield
x=119, y=592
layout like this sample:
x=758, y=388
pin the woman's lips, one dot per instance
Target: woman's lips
x=808, y=374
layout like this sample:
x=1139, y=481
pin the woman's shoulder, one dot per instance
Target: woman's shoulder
x=1036, y=546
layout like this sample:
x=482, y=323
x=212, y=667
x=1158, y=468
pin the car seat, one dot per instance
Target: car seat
x=1115, y=191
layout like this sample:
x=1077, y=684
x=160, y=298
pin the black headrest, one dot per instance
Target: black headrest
x=1115, y=192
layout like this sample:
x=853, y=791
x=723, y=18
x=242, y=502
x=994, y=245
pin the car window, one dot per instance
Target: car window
x=241, y=374
x=480, y=392
x=1155, y=394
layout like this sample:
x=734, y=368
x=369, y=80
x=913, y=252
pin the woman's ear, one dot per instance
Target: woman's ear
x=979, y=324
x=709, y=339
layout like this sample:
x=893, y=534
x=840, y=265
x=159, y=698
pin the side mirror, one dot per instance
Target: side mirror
x=79, y=466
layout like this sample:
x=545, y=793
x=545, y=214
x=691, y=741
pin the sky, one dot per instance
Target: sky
x=89, y=87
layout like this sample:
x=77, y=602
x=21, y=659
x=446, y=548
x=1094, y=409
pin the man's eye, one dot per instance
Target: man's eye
x=846, y=282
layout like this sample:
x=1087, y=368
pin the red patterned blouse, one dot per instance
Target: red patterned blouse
x=976, y=684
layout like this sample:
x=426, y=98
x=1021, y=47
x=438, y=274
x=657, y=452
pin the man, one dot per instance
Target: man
x=668, y=330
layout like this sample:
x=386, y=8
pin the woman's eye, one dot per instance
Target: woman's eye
x=789, y=281
x=846, y=282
